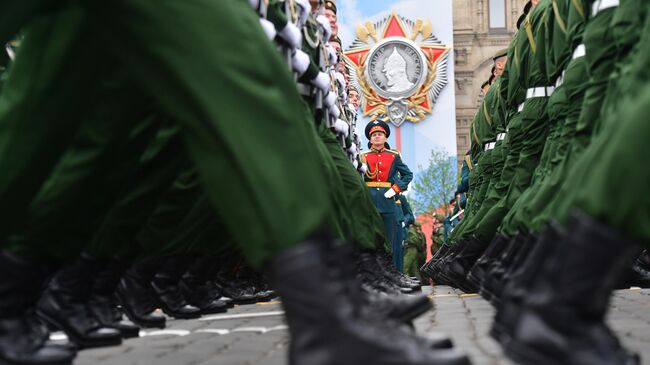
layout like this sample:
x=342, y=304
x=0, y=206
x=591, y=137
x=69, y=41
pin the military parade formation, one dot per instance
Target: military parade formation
x=553, y=222
x=172, y=159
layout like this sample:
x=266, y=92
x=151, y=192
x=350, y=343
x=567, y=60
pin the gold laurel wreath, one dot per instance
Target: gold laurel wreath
x=380, y=111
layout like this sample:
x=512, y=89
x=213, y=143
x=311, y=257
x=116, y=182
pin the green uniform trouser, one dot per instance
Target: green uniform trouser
x=517, y=219
x=42, y=106
x=614, y=153
x=361, y=217
x=411, y=267
x=178, y=219
x=205, y=88
x=575, y=86
x=491, y=195
x=485, y=179
x=513, y=143
x=535, y=127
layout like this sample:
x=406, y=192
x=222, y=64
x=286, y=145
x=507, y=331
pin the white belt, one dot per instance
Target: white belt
x=538, y=92
x=601, y=5
x=580, y=51
x=490, y=146
x=520, y=108
x=501, y=136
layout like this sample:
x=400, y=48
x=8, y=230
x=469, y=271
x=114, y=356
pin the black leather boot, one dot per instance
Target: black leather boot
x=136, y=295
x=642, y=267
x=23, y=338
x=481, y=267
x=373, y=273
x=102, y=301
x=166, y=286
x=197, y=288
x=441, y=266
x=322, y=331
x=460, y=266
x=563, y=318
x=391, y=272
x=522, y=280
x=527, y=243
x=65, y=304
x=499, y=268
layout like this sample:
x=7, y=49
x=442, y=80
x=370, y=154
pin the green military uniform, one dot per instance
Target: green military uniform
x=179, y=87
x=356, y=215
x=415, y=246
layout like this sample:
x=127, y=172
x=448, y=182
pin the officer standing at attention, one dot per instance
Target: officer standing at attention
x=386, y=176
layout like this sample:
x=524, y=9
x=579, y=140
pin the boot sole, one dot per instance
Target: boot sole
x=79, y=341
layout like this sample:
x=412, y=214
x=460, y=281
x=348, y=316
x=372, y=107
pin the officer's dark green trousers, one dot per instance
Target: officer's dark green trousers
x=207, y=86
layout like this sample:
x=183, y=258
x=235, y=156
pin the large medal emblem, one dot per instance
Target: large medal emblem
x=400, y=74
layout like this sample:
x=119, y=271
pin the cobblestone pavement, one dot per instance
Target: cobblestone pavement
x=256, y=334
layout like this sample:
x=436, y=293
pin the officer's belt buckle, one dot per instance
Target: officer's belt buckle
x=580, y=51
x=378, y=184
x=601, y=5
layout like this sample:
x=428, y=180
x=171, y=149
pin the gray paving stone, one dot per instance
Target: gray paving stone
x=466, y=319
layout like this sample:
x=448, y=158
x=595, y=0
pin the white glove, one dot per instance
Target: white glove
x=403, y=224
x=325, y=27
x=255, y=4
x=329, y=100
x=355, y=163
x=390, y=193
x=300, y=62
x=292, y=35
x=363, y=168
x=269, y=28
x=304, y=9
x=342, y=127
x=353, y=149
x=322, y=81
x=340, y=80
x=331, y=52
x=334, y=111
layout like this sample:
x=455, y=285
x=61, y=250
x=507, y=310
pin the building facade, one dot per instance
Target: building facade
x=481, y=29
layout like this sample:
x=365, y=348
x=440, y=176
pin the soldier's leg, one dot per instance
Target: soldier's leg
x=265, y=180
x=492, y=196
x=513, y=144
x=62, y=217
x=487, y=168
x=362, y=214
x=45, y=98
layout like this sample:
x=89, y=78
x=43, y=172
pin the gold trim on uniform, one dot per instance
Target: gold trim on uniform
x=378, y=184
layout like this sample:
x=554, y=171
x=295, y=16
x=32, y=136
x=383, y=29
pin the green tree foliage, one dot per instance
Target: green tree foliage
x=434, y=186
